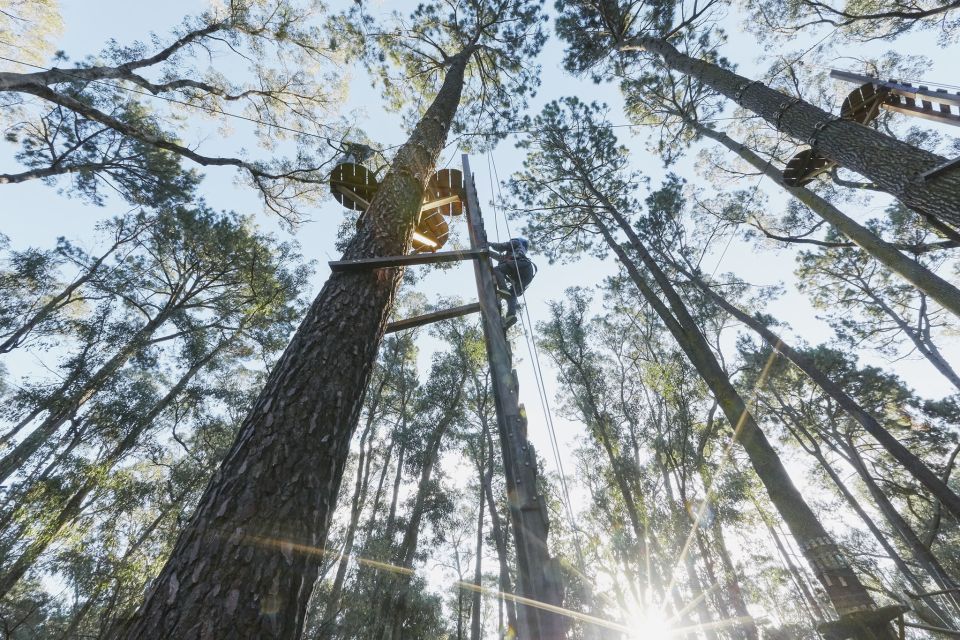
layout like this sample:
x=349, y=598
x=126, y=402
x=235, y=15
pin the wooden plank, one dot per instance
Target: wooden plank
x=944, y=108
x=539, y=575
x=436, y=204
x=384, y=262
x=436, y=316
x=348, y=192
x=900, y=88
x=936, y=116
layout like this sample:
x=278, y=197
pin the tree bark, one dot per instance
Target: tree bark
x=894, y=166
x=245, y=564
x=914, y=465
x=946, y=294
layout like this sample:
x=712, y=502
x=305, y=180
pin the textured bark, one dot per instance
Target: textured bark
x=894, y=166
x=913, y=465
x=839, y=580
x=946, y=294
x=245, y=564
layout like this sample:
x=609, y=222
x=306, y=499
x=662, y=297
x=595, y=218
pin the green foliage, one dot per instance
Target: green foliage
x=409, y=57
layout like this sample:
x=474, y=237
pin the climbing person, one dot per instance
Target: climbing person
x=513, y=274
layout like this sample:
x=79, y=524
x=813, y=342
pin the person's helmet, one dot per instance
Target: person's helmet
x=524, y=243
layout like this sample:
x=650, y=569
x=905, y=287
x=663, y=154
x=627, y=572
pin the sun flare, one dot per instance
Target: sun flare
x=649, y=625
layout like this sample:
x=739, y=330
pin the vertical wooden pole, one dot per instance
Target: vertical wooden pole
x=538, y=574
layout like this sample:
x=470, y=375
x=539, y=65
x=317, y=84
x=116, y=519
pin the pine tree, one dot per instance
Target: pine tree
x=252, y=547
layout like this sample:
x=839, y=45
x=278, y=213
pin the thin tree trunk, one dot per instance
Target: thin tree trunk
x=74, y=506
x=733, y=590
x=475, y=617
x=499, y=539
x=913, y=465
x=66, y=407
x=64, y=297
x=246, y=563
x=798, y=578
x=946, y=294
x=396, y=612
x=892, y=165
x=77, y=619
x=356, y=506
x=839, y=580
x=921, y=554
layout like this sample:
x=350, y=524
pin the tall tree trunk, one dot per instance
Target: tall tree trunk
x=892, y=165
x=839, y=580
x=732, y=589
x=920, y=552
x=75, y=621
x=245, y=564
x=946, y=294
x=356, y=506
x=798, y=578
x=68, y=401
x=499, y=537
x=914, y=465
x=65, y=296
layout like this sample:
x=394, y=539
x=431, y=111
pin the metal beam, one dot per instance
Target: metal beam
x=365, y=264
x=436, y=316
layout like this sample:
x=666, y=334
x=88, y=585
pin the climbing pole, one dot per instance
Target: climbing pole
x=540, y=586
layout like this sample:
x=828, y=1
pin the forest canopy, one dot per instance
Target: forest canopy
x=257, y=376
